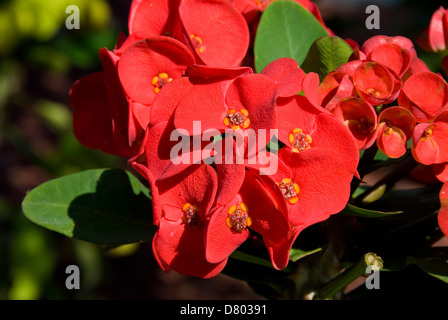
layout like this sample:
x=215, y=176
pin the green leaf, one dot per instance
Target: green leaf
x=325, y=55
x=434, y=262
x=105, y=206
x=297, y=254
x=367, y=213
x=286, y=29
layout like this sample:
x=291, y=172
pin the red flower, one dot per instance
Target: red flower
x=231, y=99
x=395, y=128
x=251, y=208
x=376, y=84
x=287, y=75
x=417, y=65
x=216, y=32
x=309, y=201
x=179, y=242
x=430, y=141
x=414, y=95
x=349, y=67
x=305, y=126
x=155, y=160
x=291, y=80
x=443, y=212
x=335, y=87
x=150, y=64
x=396, y=53
x=435, y=37
x=308, y=188
x=360, y=118
x=153, y=18
x=196, y=23
x=103, y=116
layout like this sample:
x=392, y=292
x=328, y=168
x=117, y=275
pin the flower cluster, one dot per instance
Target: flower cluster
x=381, y=94
x=435, y=39
x=386, y=95
x=220, y=185
x=231, y=154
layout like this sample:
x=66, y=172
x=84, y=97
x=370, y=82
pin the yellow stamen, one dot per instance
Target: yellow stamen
x=299, y=140
x=186, y=206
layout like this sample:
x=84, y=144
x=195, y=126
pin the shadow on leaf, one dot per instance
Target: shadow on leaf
x=119, y=211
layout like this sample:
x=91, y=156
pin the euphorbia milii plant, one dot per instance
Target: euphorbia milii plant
x=282, y=173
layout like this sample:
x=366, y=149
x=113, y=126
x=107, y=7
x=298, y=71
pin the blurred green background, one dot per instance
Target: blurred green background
x=39, y=61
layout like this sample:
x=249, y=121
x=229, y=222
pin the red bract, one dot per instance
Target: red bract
x=308, y=187
x=179, y=242
x=376, y=84
x=396, y=53
x=287, y=75
x=335, y=87
x=230, y=101
x=394, y=130
x=156, y=159
x=313, y=202
x=442, y=217
x=251, y=208
x=430, y=141
x=414, y=95
x=103, y=116
x=305, y=126
x=310, y=86
x=349, y=67
x=435, y=37
x=360, y=118
x=150, y=64
x=227, y=99
x=148, y=18
x=213, y=30
x=417, y=65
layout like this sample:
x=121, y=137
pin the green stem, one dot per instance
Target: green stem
x=337, y=284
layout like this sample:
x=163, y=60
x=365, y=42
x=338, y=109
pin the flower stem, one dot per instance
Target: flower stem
x=357, y=270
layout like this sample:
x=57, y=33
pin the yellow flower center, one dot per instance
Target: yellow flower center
x=160, y=80
x=191, y=215
x=289, y=189
x=197, y=43
x=299, y=140
x=238, y=218
x=237, y=119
